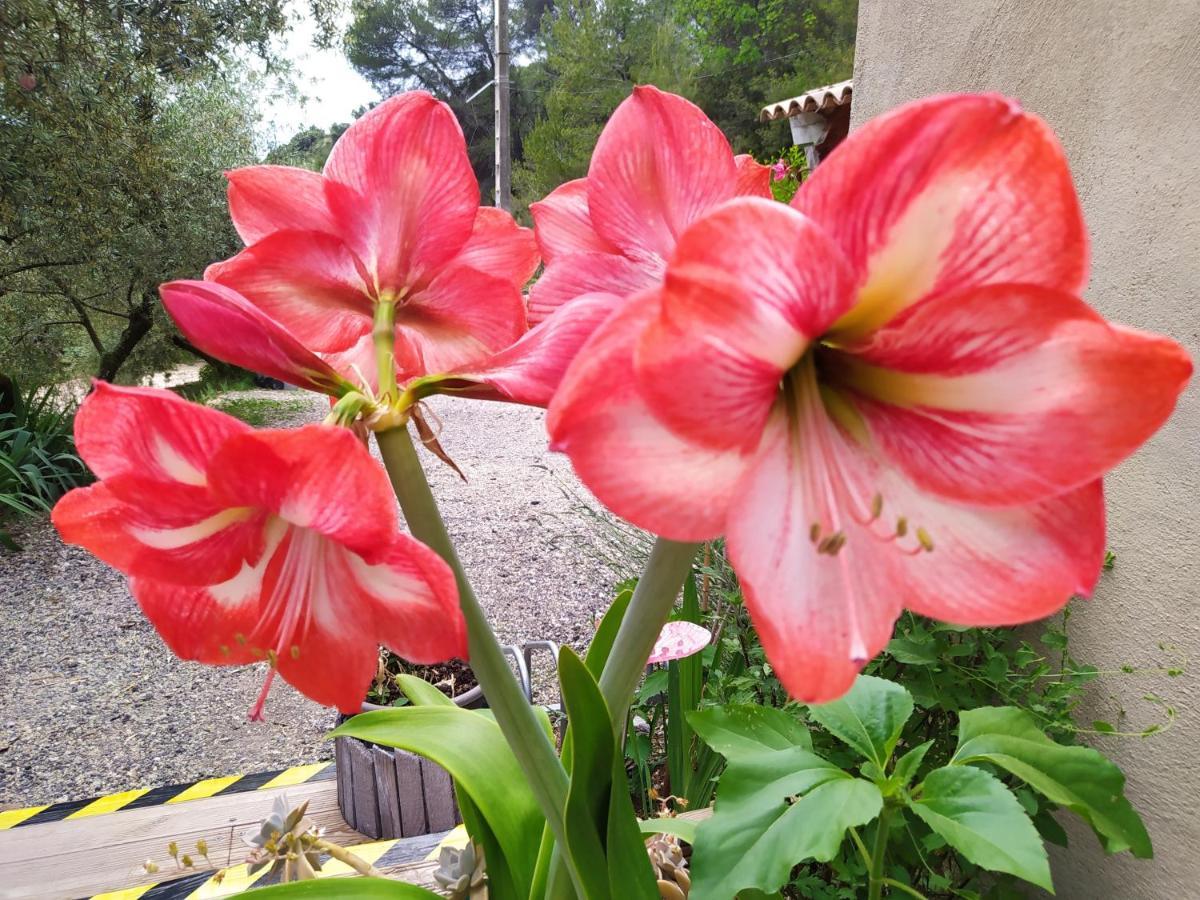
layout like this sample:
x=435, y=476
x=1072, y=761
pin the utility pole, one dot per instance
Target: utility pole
x=503, y=139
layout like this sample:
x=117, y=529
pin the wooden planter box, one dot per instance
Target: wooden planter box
x=387, y=793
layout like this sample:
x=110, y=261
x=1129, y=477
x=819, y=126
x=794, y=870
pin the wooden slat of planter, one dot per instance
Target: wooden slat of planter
x=439, y=796
x=80, y=857
x=412, y=803
x=362, y=777
x=341, y=758
x=386, y=792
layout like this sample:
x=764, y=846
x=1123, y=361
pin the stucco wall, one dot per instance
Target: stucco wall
x=1119, y=80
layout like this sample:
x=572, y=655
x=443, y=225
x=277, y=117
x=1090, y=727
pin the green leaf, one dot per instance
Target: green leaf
x=684, y=829
x=603, y=837
x=421, y=692
x=738, y=729
x=1078, y=778
x=981, y=819
x=907, y=765
x=911, y=653
x=472, y=749
x=606, y=633
x=685, y=681
x=1049, y=828
x=775, y=809
x=868, y=718
x=344, y=889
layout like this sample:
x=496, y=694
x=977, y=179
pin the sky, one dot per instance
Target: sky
x=329, y=88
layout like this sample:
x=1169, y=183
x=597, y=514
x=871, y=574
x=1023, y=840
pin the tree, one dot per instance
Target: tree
x=753, y=52
x=116, y=121
x=594, y=54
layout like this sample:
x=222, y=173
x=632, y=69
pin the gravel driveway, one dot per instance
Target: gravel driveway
x=92, y=702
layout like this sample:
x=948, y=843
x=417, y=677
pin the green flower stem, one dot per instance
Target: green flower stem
x=653, y=598
x=514, y=715
x=384, y=336
x=879, y=853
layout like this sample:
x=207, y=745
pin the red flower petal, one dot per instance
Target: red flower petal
x=820, y=616
x=530, y=370
x=462, y=317
x=737, y=312
x=945, y=194
x=577, y=274
x=151, y=433
x=658, y=165
x=753, y=178
x=413, y=197
x=223, y=323
x=266, y=199
x=630, y=460
x=317, y=477
x=563, y=225
x=308, y=282
x=500, y=247
x=1011, y=393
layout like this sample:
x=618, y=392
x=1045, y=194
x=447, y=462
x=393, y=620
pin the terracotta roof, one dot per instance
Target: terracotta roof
x=822, y=99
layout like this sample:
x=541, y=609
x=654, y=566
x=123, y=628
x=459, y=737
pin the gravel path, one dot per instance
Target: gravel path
x=92, y=702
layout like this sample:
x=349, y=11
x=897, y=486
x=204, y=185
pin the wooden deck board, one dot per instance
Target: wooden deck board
x=76, y=858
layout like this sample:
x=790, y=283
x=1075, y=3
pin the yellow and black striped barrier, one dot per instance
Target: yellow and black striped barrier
x=234, y=880
x=172, y=793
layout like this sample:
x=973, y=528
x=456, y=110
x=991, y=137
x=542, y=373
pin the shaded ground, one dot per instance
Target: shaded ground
x=94, y=703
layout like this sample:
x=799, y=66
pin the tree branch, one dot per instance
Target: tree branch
x=45, y=263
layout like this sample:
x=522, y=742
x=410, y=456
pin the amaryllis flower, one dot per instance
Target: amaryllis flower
x=779, y=170
x=246, y=545
x=887, y=396
x=659, y=164
x=394, y=219
x=223, y=323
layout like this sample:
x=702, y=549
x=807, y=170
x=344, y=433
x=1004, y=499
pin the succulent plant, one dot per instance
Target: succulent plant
x=670, y=866
x=461, y=874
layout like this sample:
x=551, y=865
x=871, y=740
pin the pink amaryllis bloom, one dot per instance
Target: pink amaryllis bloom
x=659, y=165
x=246, y=545
x=223, y=323
x=887, y=396
x=395, y=219
x=779, y=170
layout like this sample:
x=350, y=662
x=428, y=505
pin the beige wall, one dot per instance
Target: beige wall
x=1119, y=80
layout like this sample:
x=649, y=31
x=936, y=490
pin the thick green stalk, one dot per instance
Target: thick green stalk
x=653, y=598
x=384, y=336
x=879, y=853
x=535, y=753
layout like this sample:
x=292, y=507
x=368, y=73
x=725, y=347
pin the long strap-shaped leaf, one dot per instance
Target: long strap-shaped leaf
x=472, y=749
x=344, y=889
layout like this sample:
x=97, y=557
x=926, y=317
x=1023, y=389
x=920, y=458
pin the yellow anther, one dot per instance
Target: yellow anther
x=814, y=532
x=273, y=658
x=901, y=527
x=295, y=651
x=173, y=849
x=224, y=648
x=831, y=544
x=876, y=507
x=240, y=638
x=925, y=540
x=186, y=861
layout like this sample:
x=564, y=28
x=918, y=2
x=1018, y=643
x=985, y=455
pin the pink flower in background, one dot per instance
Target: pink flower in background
x=277, y=546
x=678, y=640
x=779, y=170
x=887, y=396
x=659, y=164
x=393, y=218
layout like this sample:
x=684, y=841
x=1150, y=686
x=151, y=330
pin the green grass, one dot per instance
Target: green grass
x=259, y=412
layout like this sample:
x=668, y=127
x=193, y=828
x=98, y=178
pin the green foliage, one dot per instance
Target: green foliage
x=117, y=120
x=471, y=747
x=38, y=461
x=343, y=889
x=779, y=806
x=259, y=412
x=595, y=54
